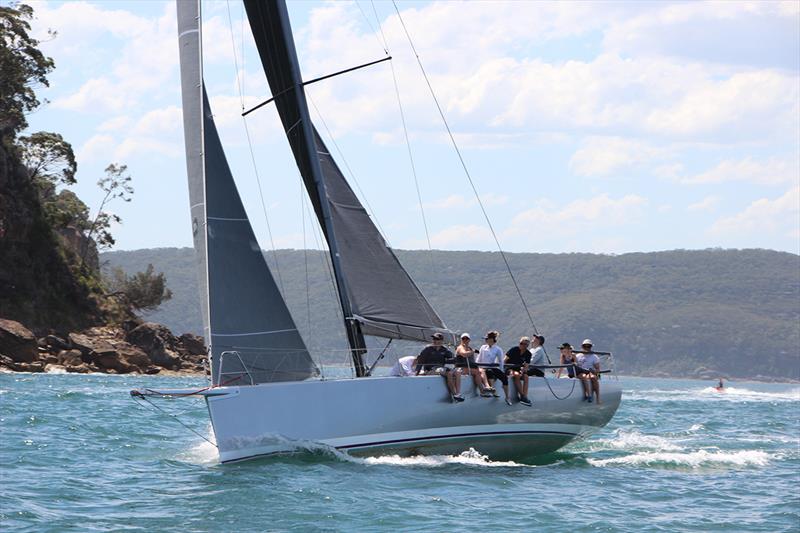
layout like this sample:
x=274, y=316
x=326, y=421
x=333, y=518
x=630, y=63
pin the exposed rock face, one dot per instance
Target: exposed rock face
x=158, y=342
x=141, y=348
x=194, y=344
x=17, y=342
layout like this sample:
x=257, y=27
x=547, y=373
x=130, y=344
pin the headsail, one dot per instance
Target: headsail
x=375, y=290
x=244, y=313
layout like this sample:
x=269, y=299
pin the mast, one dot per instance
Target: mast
x=271, y=19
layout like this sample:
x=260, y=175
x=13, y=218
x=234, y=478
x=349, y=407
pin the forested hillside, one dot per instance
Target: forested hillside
x=682, y=313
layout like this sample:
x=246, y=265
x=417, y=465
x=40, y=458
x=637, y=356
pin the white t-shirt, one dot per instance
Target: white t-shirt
x=403, y=367
x=588, y=361
x=489, y=355
x=537, y=356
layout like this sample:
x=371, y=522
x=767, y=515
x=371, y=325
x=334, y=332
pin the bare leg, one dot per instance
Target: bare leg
x=525, y=381
x=585, y=386
x=517, y=384
x=596, y=387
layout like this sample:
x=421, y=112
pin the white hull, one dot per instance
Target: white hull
x=404, y=416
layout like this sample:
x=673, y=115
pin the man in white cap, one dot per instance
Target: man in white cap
x=588, y=370
x=491, y=354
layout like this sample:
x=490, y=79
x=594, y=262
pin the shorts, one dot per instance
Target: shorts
x=536, y=372
x=496, y=373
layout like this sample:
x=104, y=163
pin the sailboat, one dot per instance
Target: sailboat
x=266, y=394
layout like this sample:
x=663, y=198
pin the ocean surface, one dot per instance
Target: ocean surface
x=78, y=454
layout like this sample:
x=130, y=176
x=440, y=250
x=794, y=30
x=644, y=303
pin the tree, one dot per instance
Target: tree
x=116, y=185
x=23, y=68
x=144, y=291
x=49, y=159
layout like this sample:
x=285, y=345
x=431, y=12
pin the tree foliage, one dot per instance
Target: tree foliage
x=49, y=159
x=117, y=186
x=143, y=291
x=23, y=67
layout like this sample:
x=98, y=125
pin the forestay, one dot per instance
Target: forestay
x=244, y=315
x=376, y=290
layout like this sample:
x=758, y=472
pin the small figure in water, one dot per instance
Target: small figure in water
x=720, y=385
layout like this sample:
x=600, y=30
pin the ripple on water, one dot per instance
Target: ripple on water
x=78, y=454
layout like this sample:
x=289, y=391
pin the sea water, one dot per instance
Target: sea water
x=78, y=454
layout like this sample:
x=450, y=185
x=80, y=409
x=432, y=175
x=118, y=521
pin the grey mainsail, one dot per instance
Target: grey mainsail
x=376, y=292
x=251, y=334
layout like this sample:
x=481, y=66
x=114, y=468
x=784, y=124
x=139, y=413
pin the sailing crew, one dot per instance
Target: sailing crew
x=465, y=364
x=517, y=360
x=567, y=358
x=537, y=357
x=491, y=354
x=433, y=359
x=404, y=366
x=589, y=371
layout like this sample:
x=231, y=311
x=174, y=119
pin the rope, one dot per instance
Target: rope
x=547, y=382
x=405, y=129
x=466, y=170
x=252, y=154
x=178, y=420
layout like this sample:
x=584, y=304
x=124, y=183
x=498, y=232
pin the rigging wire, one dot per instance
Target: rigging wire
x=305, y=251
x=466, y=171
x=252, y=153
x=405, y=129
x=370, y=211
x=178, y=420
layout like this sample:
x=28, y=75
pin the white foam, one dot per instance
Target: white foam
x=694, y=459
x=203, y=453
x=470, y=457
x=633, y=440
x=731, y=394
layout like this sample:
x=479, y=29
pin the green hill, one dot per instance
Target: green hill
x=681, y=313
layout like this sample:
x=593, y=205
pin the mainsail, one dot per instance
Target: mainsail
x=377, y=294
x=251, y=334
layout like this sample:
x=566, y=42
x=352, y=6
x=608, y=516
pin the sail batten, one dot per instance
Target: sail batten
x=375, y=290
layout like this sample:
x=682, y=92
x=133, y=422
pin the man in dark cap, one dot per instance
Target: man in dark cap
x=433, y=359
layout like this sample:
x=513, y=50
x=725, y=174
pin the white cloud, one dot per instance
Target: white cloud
x=764, y=216
x=97, y=147
x=466, y=236
x=771, y=172
x=749, y=33
x=578, y=216
x=164, y=120
x=115, y=123
x=601, y=156
x=142, y=52
x=708, y=203
x=749, y=99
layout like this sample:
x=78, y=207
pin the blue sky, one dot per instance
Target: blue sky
x=587, y=127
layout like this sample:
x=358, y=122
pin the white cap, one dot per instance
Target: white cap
x=587, y=341
x=465, y=335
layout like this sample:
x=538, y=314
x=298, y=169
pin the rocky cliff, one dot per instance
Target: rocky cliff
x=37, y=285
x=133, y=347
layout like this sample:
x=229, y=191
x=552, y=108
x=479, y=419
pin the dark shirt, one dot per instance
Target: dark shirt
x=432, y=357
x=517, y=357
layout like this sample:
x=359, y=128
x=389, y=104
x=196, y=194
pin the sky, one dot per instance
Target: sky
x=586, y=127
